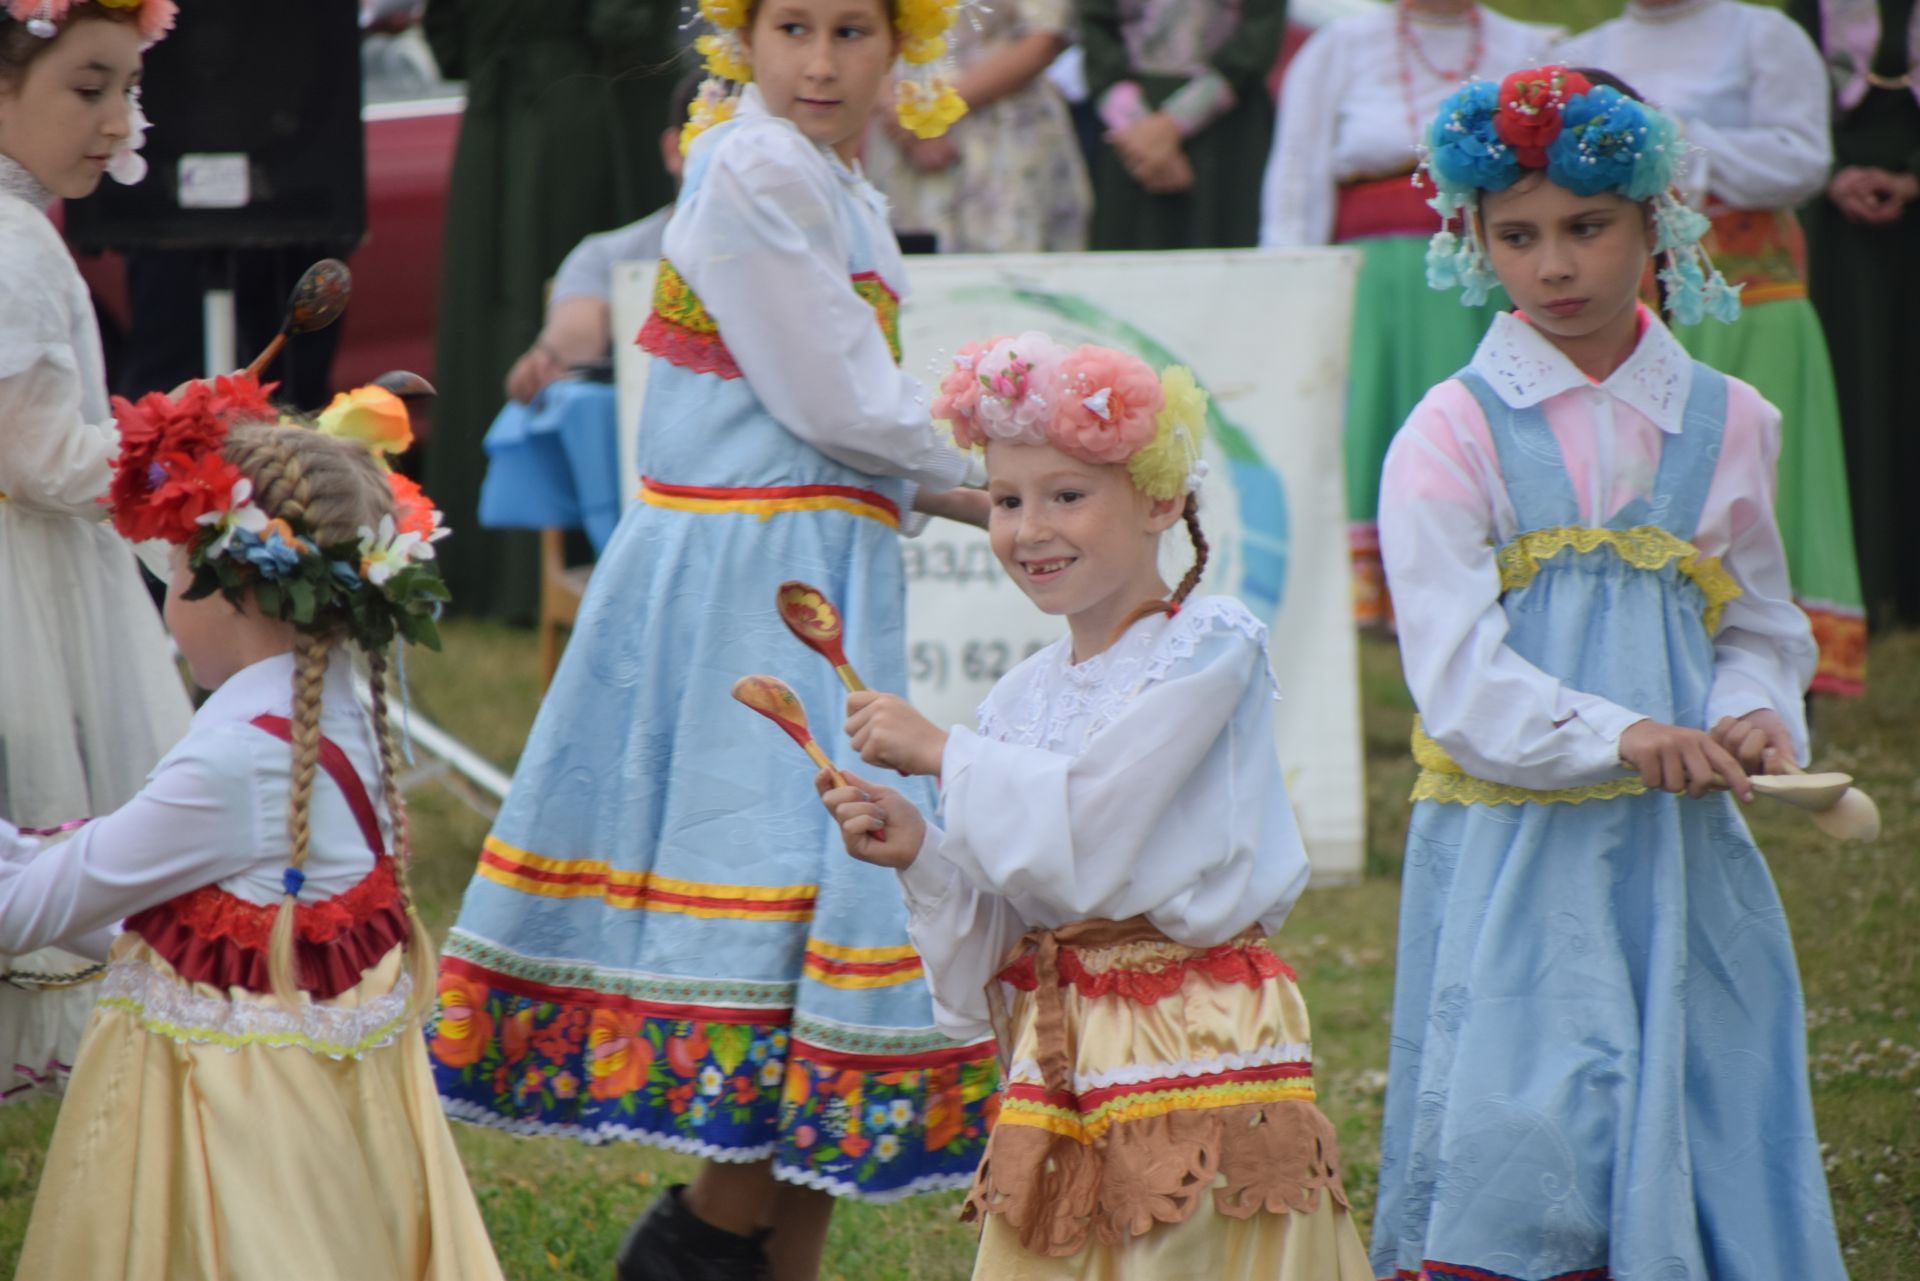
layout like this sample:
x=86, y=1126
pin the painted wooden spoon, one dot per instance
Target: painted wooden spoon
x=774, y=699
x=810, y=616
x=318, y=298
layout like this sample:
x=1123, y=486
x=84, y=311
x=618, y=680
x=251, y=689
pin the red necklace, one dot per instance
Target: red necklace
x=1405, y=44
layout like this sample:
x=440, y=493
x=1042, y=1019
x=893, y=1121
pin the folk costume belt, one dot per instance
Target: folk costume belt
x=768, y=501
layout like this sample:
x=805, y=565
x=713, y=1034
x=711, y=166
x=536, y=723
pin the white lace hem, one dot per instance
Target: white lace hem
x=167, y=1007
x=1139, y=1073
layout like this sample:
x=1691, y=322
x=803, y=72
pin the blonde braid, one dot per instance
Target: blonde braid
x=1190, y=580
x=310, y=656
x=422, y=965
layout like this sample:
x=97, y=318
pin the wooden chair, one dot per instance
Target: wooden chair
x=561, y=587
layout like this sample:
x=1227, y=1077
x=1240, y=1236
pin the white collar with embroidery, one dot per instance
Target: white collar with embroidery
x=1525, y=369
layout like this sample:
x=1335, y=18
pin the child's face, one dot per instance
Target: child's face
x=822, y=63
x=1078, y=538
x=1572, y=263
x=217, y=637
x=65, y=115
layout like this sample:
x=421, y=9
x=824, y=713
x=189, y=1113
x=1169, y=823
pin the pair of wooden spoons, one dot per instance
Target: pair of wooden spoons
x=811, y=617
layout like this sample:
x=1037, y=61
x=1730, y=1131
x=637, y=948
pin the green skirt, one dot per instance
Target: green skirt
x=1778, y=347
x=1406, y=338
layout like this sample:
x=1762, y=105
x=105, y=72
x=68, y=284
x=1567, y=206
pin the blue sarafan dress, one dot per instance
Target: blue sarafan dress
x=665, y=940
x=1598, y=1061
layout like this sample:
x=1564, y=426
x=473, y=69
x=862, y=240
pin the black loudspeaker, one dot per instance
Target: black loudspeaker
x=256, y=137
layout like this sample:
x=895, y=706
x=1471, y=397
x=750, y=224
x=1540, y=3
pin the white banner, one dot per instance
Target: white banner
x=1266, y=334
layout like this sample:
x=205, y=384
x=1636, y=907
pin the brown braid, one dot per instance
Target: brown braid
x=421, y=962
x=1171, y=605
x=332, y=487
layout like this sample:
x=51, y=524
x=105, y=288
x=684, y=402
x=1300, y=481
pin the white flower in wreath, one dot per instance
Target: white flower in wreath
x=385, y=552
x=240, y=513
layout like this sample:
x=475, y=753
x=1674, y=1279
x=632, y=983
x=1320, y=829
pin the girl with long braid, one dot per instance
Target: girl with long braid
x=253, y=1087
x=1115, y=846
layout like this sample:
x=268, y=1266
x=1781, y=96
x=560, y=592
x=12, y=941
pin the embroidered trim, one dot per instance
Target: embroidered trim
x=681, y=331
x=1030, y=1104
x=545, y=877
x=166, y=1007
x=1441, y=779
x=1141, y=1073
x=855, y=968
x=1249, y=964
x=502, y=967
x=1100, y=689
x=1644, y=547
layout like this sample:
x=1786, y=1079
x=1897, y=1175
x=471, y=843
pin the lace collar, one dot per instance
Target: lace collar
x=15, y=180
x=1049, y=701
x=1524, y=369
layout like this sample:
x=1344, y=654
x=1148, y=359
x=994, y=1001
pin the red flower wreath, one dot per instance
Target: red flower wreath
x=1529, y=116
x=169, y=470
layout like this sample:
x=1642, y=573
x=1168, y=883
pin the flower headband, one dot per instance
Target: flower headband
x=43, y=17
x=1092, y=403
x=172, y=482
x=1588, y=139
x=925, y=101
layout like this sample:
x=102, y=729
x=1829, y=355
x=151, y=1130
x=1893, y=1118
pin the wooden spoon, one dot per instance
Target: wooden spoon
x=317, y=300
x=1836, y=807
x=774, y=699
x=810, y=616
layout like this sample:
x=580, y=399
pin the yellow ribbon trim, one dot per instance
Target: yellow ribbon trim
x=1643, y=547
x=598, y=877
x=861, y=982
x=1441, y=779
x=869, y=955
x=767, y=508
x=1088, y=1129
x=274, y=1040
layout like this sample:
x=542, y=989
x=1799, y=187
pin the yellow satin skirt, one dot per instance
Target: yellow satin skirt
x=1158, y=1120
x=215, y=1135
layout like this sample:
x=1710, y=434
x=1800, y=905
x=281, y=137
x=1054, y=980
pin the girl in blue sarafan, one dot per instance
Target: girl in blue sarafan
x=1598, y=1064
x=663, y=941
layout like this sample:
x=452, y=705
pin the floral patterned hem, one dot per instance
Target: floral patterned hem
x=728, y=1085
x=1431, y=1271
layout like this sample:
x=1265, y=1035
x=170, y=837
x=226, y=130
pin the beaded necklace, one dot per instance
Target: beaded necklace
x=1408, y=50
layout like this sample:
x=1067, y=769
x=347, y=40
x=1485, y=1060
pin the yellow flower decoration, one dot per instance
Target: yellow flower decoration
x=373, y=416
x=728, y=15
x=1169, y=465
x=724, y=55
x=930, y=111
x=920, y=50
x=709, y=109
x=923, y=19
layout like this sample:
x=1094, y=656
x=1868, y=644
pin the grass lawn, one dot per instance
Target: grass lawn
x=557, y=1209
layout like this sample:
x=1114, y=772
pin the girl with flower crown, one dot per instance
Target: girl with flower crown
x=1598, y=1063
x=1748, y=91
x=1115, y=845
x=1353, y=105
x=252, y=1097
x=661, y=913
x=88, y=698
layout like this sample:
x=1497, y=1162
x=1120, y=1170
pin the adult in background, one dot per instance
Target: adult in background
x=1009, y=176
x=564, y=101
x=1181, y=88
x=1863, y=239
x=1351, y=109
x=1746, y=87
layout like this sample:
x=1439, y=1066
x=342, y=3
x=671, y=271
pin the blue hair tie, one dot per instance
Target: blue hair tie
x=292, y=879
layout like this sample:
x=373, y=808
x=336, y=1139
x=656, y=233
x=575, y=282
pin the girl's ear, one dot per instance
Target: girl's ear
x=1164, y=513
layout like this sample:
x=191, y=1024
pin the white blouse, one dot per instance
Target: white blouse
x=1444, y=513
x=1744, y=80
x=214, y=811
x=761, y=239
x=1345, y=113
x=1142, y=781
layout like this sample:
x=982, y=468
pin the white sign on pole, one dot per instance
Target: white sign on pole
x=1266, y=335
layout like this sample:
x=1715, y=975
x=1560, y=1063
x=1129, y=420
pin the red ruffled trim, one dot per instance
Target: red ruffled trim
x=688, y=348
x=1249, y=965
x=211, y=936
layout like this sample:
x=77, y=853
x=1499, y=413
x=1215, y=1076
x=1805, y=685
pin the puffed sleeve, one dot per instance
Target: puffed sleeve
x=1497, y=715
x=961, y=933
x=1782, y=155
x=1182, y=767
x=761, y=243
x=51, y=458
x=1764, y=654
x=177, y=835
x=1297, y=195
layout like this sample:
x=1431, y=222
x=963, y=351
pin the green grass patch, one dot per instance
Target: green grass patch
x=558, y=1209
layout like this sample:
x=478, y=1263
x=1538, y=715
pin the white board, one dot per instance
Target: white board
x=1266, y=334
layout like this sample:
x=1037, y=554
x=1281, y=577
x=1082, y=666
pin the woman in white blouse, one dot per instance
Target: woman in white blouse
x=1750, y=92
x=1351, y=110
